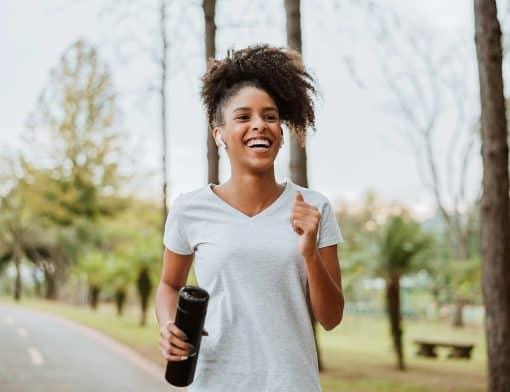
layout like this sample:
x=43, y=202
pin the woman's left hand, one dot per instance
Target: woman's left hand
x=305, y=221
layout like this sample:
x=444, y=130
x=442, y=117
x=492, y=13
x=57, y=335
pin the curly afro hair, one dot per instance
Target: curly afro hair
x=279, y=72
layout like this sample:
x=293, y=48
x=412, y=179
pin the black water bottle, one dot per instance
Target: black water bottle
x=190, y=317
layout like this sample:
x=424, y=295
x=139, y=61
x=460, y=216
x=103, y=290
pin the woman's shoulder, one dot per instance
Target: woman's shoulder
x=310, y=196
x=187, y=199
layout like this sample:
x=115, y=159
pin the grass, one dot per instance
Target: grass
x=357, y=355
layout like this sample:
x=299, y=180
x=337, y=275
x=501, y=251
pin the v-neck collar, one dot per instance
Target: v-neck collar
x=270, y=207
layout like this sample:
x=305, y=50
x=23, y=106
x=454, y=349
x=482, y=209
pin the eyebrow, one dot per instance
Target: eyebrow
x=265, y=109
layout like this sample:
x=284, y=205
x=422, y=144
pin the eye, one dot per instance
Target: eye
x=271, y=117
x=242, y=117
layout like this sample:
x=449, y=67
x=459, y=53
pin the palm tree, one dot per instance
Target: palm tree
x=396, y=252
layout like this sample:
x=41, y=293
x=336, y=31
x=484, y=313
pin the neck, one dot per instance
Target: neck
x=253, y=192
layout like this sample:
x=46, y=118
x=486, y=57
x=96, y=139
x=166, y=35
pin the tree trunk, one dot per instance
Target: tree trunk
x=495, y=217
x=461, y=254
x=298, y=168
x=93, y=296
x=120, y=299
x=94, y=291
x=458, y=314
x=36, y=282
x=393, y=309
x=163, y=95
x=50, y=282
x=17, y=279
x=144, y=290
x=209, y=7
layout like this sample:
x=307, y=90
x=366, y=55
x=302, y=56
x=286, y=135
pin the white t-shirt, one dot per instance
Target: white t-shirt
x=260, y=334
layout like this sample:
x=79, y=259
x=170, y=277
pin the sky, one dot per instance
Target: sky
x=359, y=144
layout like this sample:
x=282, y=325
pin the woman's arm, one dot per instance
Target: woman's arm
x=173, y=276
x=325, y=286
x=172, y=341
x=322, y=265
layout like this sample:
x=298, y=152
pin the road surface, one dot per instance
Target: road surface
x=40, y=352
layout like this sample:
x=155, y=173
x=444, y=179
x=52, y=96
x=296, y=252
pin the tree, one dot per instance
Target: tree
x=431, y=87
x=163, y=92
x=384, y=241
x=56, y=233
x=24, y=234
x=167, y=29
x=209, y=8
x=495, y=216
x=92, y=265
x=119, y=276
x=75, y=179
x=144, y=256
x=14, y=227
x=358, y=224
x=298, y=166
x=395, y=253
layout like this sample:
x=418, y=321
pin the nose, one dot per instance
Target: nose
x=259, y=123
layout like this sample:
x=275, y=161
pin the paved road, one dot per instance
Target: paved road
x=39, y=352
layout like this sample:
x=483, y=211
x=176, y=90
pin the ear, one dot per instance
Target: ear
x=215, y=134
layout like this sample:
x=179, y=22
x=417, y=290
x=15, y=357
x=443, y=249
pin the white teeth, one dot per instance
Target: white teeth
x=252, y=142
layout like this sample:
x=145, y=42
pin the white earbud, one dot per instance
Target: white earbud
x=220, y=141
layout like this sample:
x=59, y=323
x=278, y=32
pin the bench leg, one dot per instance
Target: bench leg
x=427, y=350
x=460, y=352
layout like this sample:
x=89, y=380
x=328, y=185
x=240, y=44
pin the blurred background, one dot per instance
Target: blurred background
x=102, y=127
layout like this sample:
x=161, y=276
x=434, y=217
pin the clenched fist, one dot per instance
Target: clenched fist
x=305, y=220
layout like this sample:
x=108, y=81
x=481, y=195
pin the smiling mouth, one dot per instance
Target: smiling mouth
x=259, y=145
x=259, y=148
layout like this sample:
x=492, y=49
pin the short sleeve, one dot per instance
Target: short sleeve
x=174, y=237
x=329, y=231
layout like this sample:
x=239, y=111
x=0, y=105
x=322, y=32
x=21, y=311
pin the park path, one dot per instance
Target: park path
x=41, y=352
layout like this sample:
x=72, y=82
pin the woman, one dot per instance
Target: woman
x=262, y=249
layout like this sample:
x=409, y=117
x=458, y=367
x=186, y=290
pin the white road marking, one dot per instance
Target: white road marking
x=35, y=356
x=9, y=320
x=22, y=332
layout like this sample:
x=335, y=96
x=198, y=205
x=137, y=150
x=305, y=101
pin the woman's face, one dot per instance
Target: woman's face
x=251, y=130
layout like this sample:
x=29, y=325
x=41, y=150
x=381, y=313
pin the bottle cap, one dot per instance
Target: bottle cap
x=192, y=299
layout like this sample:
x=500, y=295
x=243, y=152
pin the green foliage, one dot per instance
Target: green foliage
x=129, y=246
x=16, y=220
x=93, y=265
x=400, y=243
x=77, y=111
x=64, y=188
x=358, y=226
x=383, y=239
x=119, y=274
x=466, y=278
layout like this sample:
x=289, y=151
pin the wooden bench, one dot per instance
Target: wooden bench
x=427, y=348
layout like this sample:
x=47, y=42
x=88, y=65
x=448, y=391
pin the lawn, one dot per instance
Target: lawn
x=357, y=354
x=358, y=357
